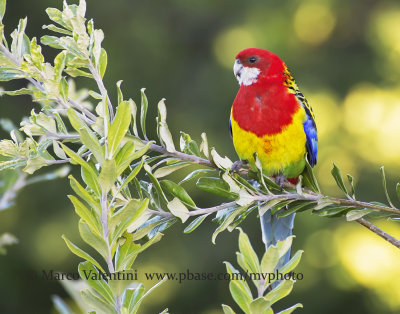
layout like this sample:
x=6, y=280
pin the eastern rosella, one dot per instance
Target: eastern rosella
x=272, y=118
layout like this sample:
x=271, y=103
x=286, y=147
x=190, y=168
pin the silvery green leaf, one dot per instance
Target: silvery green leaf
x=204, y=145
x=119, y=127
x=385, y=186
x=178, y=209
x=222, y=163
x=337, y=175
x=163, y=130
x=195, y=223
x=357, y=214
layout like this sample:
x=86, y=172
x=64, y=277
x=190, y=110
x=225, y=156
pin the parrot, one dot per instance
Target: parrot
x=271, y=117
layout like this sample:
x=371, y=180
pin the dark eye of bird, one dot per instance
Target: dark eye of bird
x=252, y=59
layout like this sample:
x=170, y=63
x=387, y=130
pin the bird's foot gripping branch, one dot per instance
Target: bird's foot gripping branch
x=122, y=196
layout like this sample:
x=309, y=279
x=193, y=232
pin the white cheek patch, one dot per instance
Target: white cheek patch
x=248, y=76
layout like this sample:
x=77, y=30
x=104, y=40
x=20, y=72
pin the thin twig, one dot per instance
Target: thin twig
x=82, y=109
x=307, y=195
x=101, y=87
x=182, y=156
x=10, y=193
x=379, y=232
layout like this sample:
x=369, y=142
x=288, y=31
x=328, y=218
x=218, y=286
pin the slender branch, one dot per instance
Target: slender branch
x=307, y=195
x=55, y=136
x=9, y=55
x=210, y=210
x=10, y=193
x=88, y=113
x=101, y=87
x=379, y=232
x=182, y=156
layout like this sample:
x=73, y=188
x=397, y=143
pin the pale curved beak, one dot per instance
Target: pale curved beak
x=237, y=69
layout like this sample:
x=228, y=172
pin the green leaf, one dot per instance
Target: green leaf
x=292, y=263
x=239, y=289
x=56, y=29
x=34, y=164
x=76, y=122
x=297, y=206
x=216, y=186
x=94, y=240
x=119, y=127
x=195, y=223
x=398, y=190
x=8, y=74
x=274, y=253
x=22, y=91
x=333, y=211
x=96, y=302
x=352, y=190
x=188, y=146
x=132, y=174
x=195, y=174
x=250, y=257
x=222, y=163
x=56, y=16
x=12, y=164
x=2, y=9
x=83, y=194
x=357, y=214
x=178, y=191
x=155, y=182
x=79, y=252
x=127, y=252
x=204, y=145
x=227, y=309
x=102, y=62
x=108, y=175
x=260, y=305
x=281, y=291
x=51, y=41
x=91, y=275
x=124, y=160
x=163, y=130
x=291, y=309
x=164, y=171
x=339, y=179
x=92, y=143
x=127, y=249
x=87, y=215
x=90, y=173
x=178, y=209
x=132, y=296
x=136, y=306
x=230, y=215
x=143, y=112
x=126, y=216
x=385, y=186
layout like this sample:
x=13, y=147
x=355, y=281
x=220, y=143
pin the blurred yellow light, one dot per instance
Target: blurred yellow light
x=49, y=247
x=230, y=42
x=319, y=249
x=385, y=25
x=314, y=22
x=372, y=114
x=342, y=158
x=371, y=261
x=325, y=107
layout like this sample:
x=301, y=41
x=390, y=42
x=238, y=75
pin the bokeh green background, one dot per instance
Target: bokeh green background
x=345, y=56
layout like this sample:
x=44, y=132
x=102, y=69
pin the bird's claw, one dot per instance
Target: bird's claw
x=280, y=180
x=237, y=165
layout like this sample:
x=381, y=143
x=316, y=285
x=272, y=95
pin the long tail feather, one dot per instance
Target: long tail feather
x=276, y=229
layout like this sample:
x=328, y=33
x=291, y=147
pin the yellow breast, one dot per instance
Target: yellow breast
x=278, y=153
